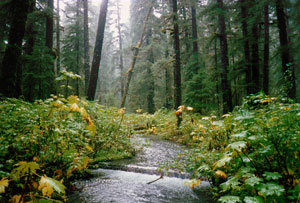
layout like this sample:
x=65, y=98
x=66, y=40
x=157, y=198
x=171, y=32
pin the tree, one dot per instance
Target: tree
x=226, y=87
x=121, y=65
x=10, y=84
x=86, y=45
x=97, y=51
x=135, y=54
x=266, y=49
x=58, y=37
x=288, y=69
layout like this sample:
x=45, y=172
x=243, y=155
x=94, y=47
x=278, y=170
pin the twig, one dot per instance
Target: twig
x=161, y=177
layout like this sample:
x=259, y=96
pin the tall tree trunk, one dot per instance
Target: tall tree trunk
x=97, y=51
x=150, y=79
x=195, y=38
x=121, y=65
x=86, y=44
x=29, y=94
x=58, y=38
x=10, y=84
x=266, y=49
x=77, y=71
x=177, y=62
x=49, y=25
x=248, y=72
x=255, y=59
x=135, y=54
x=49, y=44
x=288, y=68
x=194, y=31
x=226, y=87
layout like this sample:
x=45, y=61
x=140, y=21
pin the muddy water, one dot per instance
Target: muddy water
x=141, y=179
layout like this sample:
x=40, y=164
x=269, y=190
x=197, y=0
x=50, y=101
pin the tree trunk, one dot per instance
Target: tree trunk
x=150, y=79
x=248, y=72
x=255, y=59
x=49, y=26
x=49, y=44
x=77, y=71
x=97, y=51
x=288, y=68
x=266, y=49
x=226, y=87
x=29, y=94
x=177, y=63
x=135, y=54
x=194, y=31
x=86, y=45
x=121, y=65
x=58, y=39
x=10, y=83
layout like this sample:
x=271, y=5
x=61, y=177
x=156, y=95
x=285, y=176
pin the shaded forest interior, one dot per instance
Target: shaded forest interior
x=204, y=54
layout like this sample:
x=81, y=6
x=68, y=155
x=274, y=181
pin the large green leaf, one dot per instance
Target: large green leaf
x=255, y=199
x=238, y=146
x=253, y=181
x=271, y=189
x=230, y=199
x=272, y=175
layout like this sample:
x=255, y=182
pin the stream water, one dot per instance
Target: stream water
x=140, y=179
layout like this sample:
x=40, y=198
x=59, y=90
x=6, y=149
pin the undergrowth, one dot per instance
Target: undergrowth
x=47, y=144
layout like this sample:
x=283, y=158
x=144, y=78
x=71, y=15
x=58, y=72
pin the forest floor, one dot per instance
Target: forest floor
x=250, y=155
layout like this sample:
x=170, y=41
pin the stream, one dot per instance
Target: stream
x=142, y=179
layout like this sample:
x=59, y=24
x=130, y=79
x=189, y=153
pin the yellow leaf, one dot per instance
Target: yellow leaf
x=86, y=161
x=89, y=148
x=92, y=129
x=24, y=168
x=220, y=174
x=75, y=107
x=3, y=184
x=48, y=185
x=121, y=111
x=139, y=110
x=15, y=199
x=190, y=108
x=84, y=114
x=73, y=100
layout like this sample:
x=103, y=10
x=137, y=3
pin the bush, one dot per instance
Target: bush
x=55, y=138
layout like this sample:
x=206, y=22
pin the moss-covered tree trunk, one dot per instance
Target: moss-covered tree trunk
x=86, y=44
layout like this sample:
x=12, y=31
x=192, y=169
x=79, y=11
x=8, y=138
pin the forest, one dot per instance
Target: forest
x=80, y=78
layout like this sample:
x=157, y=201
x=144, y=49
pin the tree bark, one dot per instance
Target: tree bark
x=121, y=65
x=177, y=62
x=150, y=79
x=10, y=83
x=226, y=87
x=194, y=31
x=266, y=49
x=288, y=68
x=58, y=38
x=135, y=54
x=248, y=72
x=97, y=51
x=255, y=59
x=30, y=33
x=49, y=26
x=77, y=46
x=49, y=44
x=86, y=45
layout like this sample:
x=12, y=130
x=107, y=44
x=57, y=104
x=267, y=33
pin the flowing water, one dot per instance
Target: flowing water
x=141, y=179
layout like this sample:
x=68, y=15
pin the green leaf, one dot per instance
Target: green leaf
x=24, y=169
x=232, y=183
x=47, y=182
x=253, y=181
x=238, y=146
x=240, y=135
x=272, y=175
x=229, y=199
x=271, y=189
x=255, y=199
x=222, y=161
